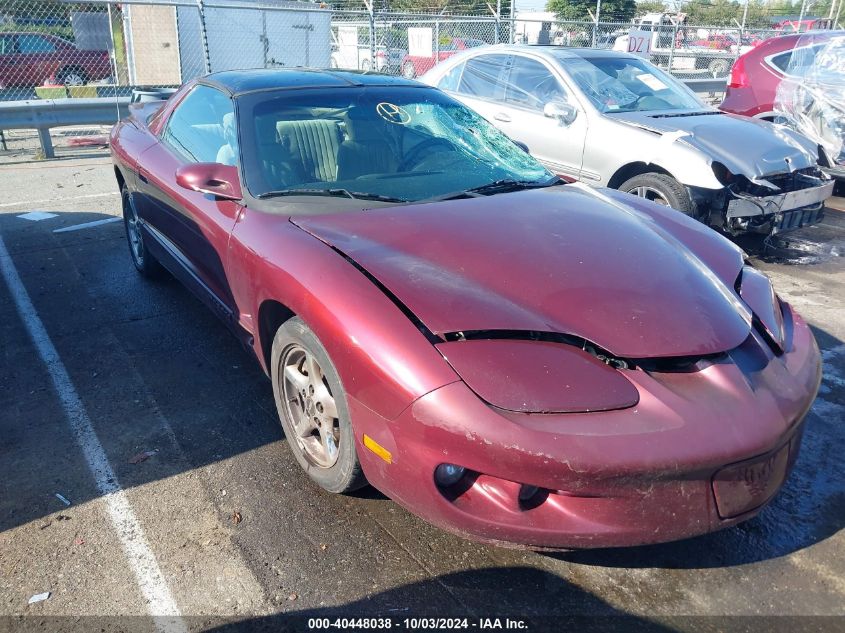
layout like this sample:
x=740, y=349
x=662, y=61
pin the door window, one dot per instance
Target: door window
x=797, y=61
x=202, y=127
x=532, y=85
x=7, y=45
x=451, y=79
x=481, y=76
x=35, y=44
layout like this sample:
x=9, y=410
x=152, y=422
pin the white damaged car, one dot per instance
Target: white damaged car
x=612, y=119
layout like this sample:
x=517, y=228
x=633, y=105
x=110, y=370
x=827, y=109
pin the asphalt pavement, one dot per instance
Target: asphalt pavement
x=128, y=400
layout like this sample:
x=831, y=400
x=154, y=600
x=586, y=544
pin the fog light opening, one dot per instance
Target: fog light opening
x=447, y=475
x=531, y=497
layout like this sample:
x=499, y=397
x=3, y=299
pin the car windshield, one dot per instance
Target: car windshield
x=398, y=143
x=628, y=84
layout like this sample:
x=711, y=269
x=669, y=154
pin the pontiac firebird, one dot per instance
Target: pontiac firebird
x=514, y=359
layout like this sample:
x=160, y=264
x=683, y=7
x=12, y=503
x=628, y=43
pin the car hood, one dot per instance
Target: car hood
x=563, y=260
x=750, y=147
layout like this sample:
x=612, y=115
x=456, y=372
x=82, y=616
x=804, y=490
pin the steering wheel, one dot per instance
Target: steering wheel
x=413, y=157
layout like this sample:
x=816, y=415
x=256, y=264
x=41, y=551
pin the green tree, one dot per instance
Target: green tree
x=651, y=6
x=612, y=10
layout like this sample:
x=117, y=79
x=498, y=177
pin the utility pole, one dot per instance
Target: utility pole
x=596, y=24
x=803, y=11
x=206, y=56
x=498, y=20
x=372, y=16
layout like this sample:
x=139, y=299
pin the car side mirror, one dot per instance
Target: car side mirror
x=216, y=179
x=563, y=112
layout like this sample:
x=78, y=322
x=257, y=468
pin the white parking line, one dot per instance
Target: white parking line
x=141, y=559
x=37, y=216
x=20, y=203
x=85, y=225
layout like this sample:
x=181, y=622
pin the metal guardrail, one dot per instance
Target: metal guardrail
x=44, y=114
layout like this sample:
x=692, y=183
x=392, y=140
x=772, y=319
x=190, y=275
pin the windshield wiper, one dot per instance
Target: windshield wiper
x=669, y=115
x=504, y=185
x=335, y=193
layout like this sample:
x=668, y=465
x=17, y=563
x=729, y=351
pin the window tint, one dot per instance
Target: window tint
x=202, y=128
x=532, y=85
x=35, y=44
x=481, y=76
x=451, y=79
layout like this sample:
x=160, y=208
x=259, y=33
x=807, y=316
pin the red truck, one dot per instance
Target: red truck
x=416, y=65
x=29, y=59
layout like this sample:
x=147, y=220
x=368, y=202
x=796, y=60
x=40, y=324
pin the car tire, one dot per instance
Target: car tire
x=408, y=70
x=662, y=189
x=72, y=76
x=144, y=261
x=314, y=409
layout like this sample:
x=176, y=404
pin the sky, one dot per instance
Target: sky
x=530, y=5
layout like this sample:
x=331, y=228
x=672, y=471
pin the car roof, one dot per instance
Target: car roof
x=565, y=52
x=552, y=53
x=785, y=42
x=237, y=82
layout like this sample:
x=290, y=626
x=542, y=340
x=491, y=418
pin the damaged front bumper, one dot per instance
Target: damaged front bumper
x=701, y=451
x=768, y=204
x=782, y=211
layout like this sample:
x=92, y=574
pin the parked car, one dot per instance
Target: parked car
x=28, y=59
x=798, y=80
x=718, y=42
x=416, y=65
x=612, y=119
x=513, y=359
x=388, y=60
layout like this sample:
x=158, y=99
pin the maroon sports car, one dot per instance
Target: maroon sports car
x=514, y=359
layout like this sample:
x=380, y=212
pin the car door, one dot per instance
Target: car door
x=8, y=72
x=529, y=86
x=36, y=57
x=193, y=227
x=511, y=92
x=479, y=83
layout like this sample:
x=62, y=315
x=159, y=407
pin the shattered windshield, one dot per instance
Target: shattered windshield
x=624, y=84
x=400, y=144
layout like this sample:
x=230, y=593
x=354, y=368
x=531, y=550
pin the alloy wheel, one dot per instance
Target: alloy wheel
x=73, y=79
x=310, y=407
x=650, y=193
x=133, y=231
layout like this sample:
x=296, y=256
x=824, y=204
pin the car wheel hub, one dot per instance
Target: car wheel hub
x=650, y=193
x=310, y=407
x=133, y=231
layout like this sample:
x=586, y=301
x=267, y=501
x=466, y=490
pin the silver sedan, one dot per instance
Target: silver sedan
x=613, y=119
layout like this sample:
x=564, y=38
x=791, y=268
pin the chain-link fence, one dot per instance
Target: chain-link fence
x=58, y=49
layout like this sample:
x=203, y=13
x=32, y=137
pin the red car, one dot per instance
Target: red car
x=514, y=359
x=796, y=79
x=756, y=75
x=416, y=65
x=28, y=59
x=718, y=42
